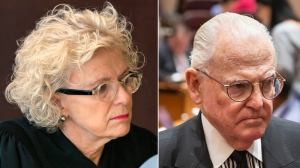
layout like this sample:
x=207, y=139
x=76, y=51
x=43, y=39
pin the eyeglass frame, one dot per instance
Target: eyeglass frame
x=94, y=91
x=260, y=84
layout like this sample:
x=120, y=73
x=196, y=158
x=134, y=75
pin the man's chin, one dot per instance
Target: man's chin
x=253, y=134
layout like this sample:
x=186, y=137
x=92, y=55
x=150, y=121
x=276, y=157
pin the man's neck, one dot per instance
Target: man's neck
x=220, y=149
x=238, y=144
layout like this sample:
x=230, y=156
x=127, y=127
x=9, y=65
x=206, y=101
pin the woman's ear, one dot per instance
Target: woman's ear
x=194, y=85
x=57, y=99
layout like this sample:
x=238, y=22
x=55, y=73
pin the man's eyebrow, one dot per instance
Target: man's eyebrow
x=229, y=81
x=269, y=74
x=233, y=79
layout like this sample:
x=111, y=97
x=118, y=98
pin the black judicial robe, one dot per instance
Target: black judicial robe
x=25, y=146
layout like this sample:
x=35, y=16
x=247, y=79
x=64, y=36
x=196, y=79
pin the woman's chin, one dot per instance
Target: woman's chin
x=120, y=131
x=123, y=129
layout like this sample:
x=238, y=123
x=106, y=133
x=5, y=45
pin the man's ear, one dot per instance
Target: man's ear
x=57, y=99
x=194, y=85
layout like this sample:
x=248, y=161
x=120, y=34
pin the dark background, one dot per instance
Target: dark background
x=18, y=18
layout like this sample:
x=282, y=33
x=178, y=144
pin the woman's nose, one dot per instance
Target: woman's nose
x=122, y=96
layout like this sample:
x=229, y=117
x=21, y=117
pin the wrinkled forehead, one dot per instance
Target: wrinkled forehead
x=236, y=53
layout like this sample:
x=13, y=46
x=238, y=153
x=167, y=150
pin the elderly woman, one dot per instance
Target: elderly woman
x=73, y=79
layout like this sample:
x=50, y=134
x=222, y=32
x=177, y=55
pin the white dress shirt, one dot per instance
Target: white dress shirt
x=219, y=150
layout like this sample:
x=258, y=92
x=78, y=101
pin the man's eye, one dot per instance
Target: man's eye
x=269, y=81
x=239, y=86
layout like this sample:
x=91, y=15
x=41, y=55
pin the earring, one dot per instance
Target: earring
x=63, y=118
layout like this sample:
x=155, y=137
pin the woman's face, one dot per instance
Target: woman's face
x=86, y=114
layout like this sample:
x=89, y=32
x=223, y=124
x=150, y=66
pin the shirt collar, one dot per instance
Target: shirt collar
x=219, y=150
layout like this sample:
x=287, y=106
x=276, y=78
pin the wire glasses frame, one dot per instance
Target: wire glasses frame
x=107, y=91
x=241, y=90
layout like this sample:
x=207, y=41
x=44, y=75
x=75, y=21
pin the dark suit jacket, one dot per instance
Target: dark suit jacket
x=166, y=62
x=184, y=146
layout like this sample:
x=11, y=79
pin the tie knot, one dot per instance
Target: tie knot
x=239, y=156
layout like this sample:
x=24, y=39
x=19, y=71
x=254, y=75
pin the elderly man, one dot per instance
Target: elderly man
x=233, y=79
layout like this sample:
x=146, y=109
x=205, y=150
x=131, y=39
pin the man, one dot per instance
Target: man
x=173, y=54
x=233, y=79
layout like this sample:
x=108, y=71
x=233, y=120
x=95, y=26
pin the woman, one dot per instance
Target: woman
x=73, y=79
x=285, y=30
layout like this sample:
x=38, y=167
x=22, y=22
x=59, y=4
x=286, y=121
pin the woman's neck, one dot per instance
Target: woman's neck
x=93, y=155
x=89, y=145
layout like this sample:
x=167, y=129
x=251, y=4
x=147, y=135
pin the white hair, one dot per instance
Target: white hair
x=243, y=27
x=62, y=41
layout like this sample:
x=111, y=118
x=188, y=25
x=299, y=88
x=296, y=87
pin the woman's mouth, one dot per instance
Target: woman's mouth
x=120, y=117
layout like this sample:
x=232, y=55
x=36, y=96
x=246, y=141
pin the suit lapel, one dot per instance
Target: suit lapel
x=275, y=153
x=193, y=151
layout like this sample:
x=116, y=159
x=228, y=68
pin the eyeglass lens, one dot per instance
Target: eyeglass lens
x=241, y=90
x=134, y=84
x=107, y=92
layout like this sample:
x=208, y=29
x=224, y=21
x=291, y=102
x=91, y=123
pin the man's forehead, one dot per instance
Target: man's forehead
x=247, y=56
x=237, y=52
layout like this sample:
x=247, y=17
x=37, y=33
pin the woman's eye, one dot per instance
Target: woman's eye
x=103, y=88
x=128, y=79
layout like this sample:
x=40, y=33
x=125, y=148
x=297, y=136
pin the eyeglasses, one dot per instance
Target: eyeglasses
x=241, y=90
x=108, y=90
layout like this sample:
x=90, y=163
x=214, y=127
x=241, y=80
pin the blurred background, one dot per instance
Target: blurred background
x=178, y=22
x=18, y=18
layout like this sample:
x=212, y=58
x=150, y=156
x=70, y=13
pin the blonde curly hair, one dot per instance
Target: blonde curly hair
x=64, y=39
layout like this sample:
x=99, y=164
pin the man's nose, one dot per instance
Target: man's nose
x=255, y=100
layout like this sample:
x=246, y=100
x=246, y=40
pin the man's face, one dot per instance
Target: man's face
x=237, y=59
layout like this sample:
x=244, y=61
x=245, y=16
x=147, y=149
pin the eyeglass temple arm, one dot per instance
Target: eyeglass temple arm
x=280, y=75
x=74, y=92
x=212, y=78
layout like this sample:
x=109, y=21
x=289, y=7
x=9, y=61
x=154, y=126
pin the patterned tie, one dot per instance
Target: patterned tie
x=240, y=158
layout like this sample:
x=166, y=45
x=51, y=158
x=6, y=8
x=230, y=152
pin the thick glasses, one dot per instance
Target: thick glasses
x=241, y=90
x=108, y=90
